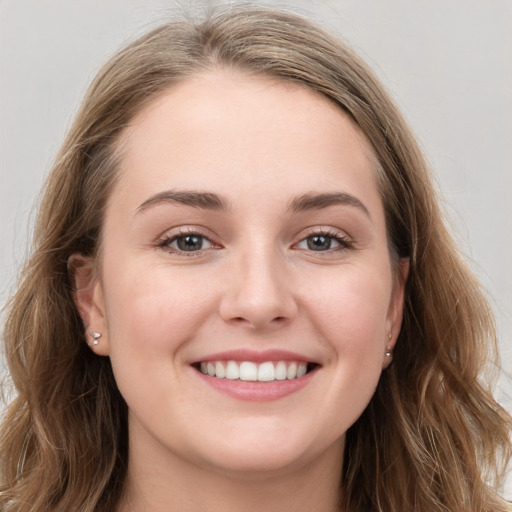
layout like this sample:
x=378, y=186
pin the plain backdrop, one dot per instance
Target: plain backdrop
x=447, y=63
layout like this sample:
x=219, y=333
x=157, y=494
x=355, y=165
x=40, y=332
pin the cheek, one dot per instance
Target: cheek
x=350, y=309
x=350, y=312
x=151, y=312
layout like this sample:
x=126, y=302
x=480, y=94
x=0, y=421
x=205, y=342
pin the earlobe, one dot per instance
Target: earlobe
x=88, y=298
x=395, y=312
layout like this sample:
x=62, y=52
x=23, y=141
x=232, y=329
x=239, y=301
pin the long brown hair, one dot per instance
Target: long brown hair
x=432, y=438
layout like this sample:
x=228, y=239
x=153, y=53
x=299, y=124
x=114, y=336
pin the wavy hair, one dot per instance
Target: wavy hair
x=432, y=438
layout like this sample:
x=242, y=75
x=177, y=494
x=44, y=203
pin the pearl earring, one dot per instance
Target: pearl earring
x=95, y=337
x=389, y=351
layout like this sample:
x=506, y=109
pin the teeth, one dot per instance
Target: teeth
x=281, y=370
x=291, y=373
x=301, y=370
x=220, y=371
x=249, y=371
x=232, y=371
x=266, y=372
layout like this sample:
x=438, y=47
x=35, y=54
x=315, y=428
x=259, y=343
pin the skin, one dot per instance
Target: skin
x=255, y=284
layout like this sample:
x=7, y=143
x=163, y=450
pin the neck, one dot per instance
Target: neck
x=159, y=482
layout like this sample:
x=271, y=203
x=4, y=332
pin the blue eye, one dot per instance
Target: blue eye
x=187, y=242
x=319, y=242
x=323, y=242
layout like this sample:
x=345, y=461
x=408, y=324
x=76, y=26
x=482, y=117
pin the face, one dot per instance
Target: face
x=245, y=292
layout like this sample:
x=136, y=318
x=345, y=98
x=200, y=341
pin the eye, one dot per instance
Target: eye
x=323, y=242
x=186, y=242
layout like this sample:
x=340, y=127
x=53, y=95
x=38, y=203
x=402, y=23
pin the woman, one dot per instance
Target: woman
x=243, y=296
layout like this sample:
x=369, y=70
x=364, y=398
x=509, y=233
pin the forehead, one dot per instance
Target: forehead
x=226, y=128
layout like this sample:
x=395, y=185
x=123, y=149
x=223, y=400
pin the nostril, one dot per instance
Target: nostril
x=240, y=320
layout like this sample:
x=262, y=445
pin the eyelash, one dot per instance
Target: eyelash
x=165, y=243
x=344, y=242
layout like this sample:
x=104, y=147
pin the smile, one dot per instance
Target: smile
x=267, y=371
x=254, y=375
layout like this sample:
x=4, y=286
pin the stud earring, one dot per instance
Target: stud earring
x=389, y=351
x=95, y=337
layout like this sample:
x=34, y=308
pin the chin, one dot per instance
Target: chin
x=253, y=462
x=266, y=451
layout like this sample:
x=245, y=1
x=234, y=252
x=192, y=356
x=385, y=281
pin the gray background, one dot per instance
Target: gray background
x=448, y=64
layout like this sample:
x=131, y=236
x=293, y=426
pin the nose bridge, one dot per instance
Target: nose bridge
x=259, y=293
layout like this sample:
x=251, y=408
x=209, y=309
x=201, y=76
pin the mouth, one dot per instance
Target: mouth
x=250, y=371
x=258, y=376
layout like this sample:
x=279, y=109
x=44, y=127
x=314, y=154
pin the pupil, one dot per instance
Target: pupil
x=190, y=243
x=319, y=243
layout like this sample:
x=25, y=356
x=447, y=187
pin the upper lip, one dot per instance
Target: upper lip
x=255, y=356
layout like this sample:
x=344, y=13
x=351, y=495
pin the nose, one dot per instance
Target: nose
x=258, y=292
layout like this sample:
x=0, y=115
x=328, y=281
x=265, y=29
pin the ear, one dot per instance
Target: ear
x=88, y=299
x=396, y=308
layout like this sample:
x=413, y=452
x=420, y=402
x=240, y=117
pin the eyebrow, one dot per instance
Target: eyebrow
x=324, y=200
x=204, y=200
x=211, y=201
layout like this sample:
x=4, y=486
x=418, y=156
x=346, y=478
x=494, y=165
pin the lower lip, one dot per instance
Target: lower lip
x=257, y=391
